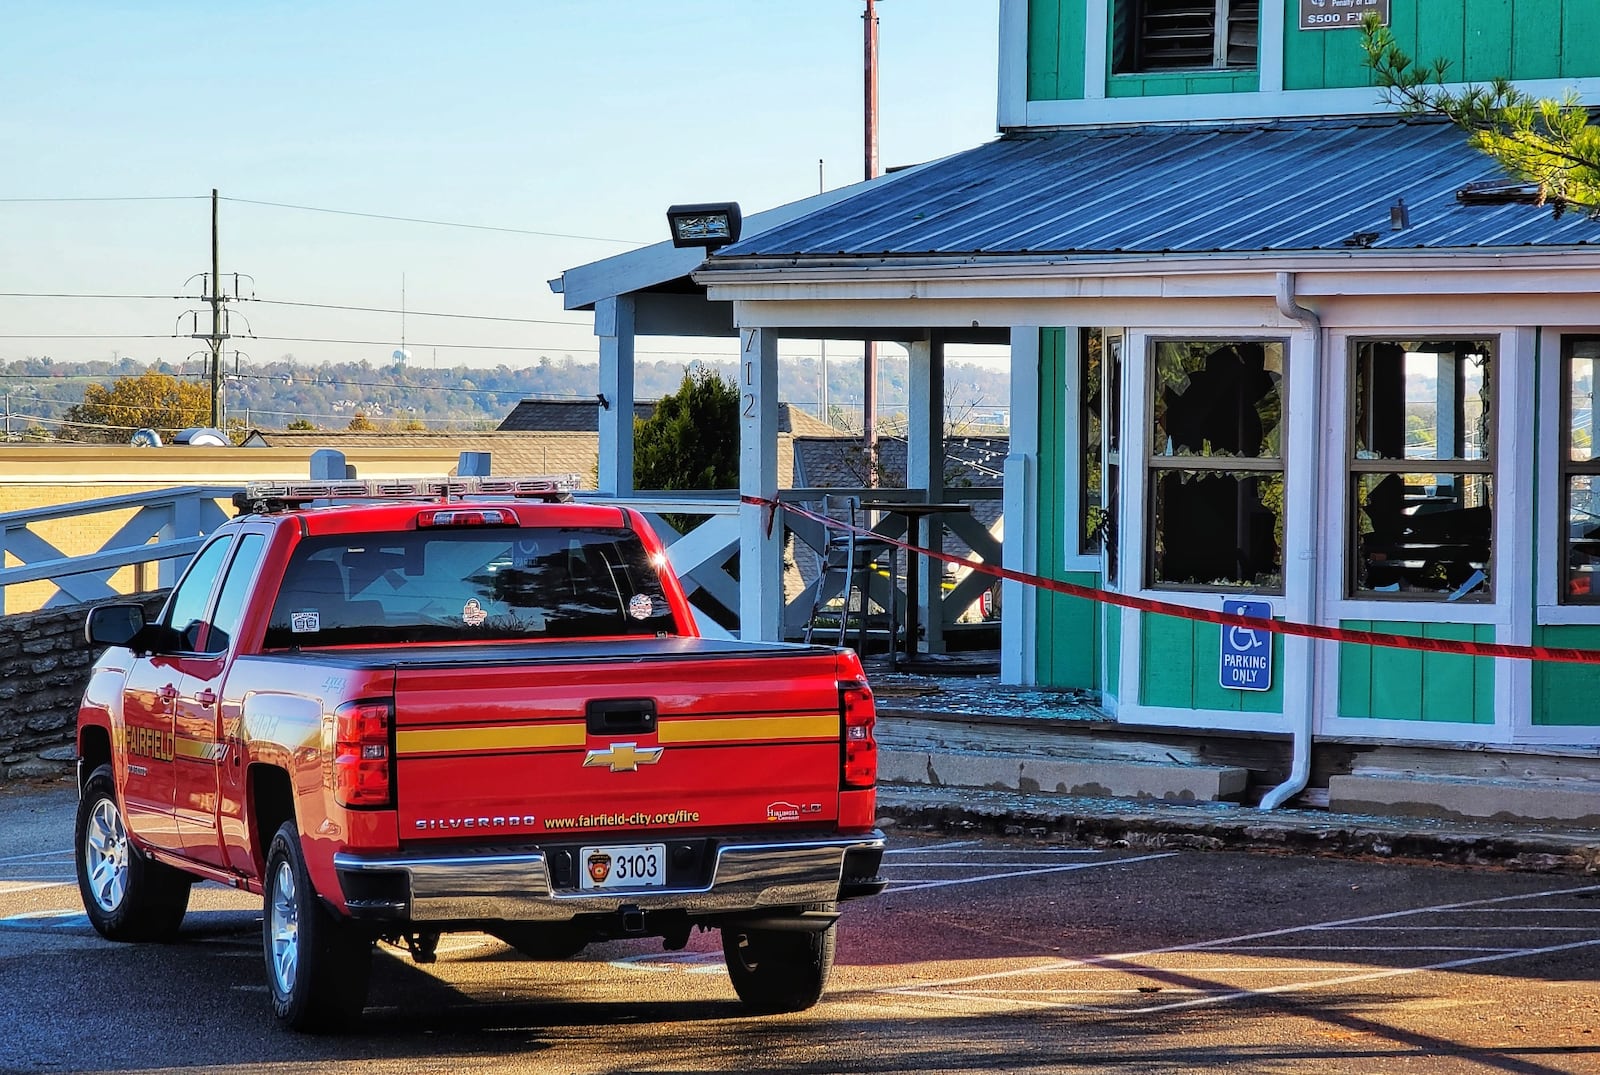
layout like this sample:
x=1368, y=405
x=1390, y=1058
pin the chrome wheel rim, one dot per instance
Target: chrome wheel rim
x=105, y=856
x=283, y=928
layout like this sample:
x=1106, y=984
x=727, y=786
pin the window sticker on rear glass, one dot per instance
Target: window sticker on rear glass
x=473, y=614
x=305, y=622
x=640, y=606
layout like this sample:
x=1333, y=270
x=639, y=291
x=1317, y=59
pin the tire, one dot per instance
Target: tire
x=775, y=970
x=318, y=965
x=128, y=896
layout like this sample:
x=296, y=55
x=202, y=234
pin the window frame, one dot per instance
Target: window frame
x=1567, y=468
x=1130, y=50
x=1157, y=463
x=1354, y=467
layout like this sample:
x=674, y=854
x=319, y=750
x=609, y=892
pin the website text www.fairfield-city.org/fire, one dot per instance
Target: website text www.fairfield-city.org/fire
x=581, y=821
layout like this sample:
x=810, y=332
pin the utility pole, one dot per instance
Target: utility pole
x=219, y=321
x=217, y=335
x=869, y=358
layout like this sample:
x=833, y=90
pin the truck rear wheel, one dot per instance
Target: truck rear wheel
x=127, y=896
x=318, y=966
x=779, y=970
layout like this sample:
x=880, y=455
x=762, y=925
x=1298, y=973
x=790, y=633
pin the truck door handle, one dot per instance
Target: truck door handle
x=206, y=697
x=621, y=716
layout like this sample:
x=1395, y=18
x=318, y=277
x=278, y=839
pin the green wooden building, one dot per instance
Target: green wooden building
x=1271, y=343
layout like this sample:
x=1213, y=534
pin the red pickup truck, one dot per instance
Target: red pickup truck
x=401, y=709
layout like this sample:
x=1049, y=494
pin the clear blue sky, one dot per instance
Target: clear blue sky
x=578, y=117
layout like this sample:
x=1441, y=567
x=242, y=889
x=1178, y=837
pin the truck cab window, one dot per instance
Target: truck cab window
x=186, y=608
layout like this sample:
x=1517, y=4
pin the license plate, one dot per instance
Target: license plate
x=623, y=866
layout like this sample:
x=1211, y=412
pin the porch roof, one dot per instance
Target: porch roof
x=1324, y=185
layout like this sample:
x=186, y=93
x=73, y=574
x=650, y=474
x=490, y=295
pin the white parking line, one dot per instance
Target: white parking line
x=8, y=888
x=895, y=886
x=948, y=988
x=65, y=856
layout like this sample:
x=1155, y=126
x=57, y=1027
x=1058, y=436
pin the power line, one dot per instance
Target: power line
x=86, y=295
x=145, y=198
x=437, y=223
x=413, y=313
x=103, y=336
x=447, y=346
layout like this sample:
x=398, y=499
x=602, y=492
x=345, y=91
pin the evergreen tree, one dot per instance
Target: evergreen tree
x=692, y=439
x=1548, y=143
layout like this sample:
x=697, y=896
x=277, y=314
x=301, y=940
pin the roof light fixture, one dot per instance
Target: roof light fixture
x=709, y=224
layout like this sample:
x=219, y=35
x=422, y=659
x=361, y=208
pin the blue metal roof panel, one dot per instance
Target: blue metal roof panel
x=1270, y=187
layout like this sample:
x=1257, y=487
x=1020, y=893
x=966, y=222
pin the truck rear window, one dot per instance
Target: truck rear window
x=468, y=585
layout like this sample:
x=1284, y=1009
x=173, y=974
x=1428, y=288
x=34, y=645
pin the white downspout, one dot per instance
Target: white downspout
x=1300, y=771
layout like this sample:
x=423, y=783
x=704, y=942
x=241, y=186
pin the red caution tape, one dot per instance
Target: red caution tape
x=1206, y=615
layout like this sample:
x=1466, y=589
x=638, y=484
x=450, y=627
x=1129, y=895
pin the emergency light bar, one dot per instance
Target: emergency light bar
x=268, y=496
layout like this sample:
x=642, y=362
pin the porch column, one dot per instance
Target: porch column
x=760, y=552
x=925, y=470
x=1019, y=662
x=613, y=323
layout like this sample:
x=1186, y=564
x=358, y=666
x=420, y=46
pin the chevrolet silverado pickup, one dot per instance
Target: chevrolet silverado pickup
x=395, y=710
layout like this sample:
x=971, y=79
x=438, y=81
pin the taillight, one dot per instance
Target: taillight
x=860, y=755
x=465, y=517
x=361, y=769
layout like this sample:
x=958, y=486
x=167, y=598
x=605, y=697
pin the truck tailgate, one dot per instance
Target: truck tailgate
x=600, y=739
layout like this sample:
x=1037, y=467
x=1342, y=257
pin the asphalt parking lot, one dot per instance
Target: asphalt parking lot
x=985, y=954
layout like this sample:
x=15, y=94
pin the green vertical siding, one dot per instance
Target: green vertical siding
x=1566, y=695
x=1111, y=624
x=1068, y=638
x=1055, y=50
x=1179, y=83
x=1385, y=683
x=1482, y=39
x=1180, y=666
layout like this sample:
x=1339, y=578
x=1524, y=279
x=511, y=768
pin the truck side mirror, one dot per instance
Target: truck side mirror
x=114, y=624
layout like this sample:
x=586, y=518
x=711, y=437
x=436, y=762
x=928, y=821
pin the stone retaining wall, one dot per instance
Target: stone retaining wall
x=44, y=664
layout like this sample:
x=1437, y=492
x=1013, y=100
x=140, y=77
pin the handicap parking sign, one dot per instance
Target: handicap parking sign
x=1246, y=653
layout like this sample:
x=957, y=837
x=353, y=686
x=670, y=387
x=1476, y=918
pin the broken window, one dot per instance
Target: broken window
x=1580, y=470
x=1216, y=464
x=1179, y=35
x=1421, y=472
x=1092, y=508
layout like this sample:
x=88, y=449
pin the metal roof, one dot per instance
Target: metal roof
x=1280, y=186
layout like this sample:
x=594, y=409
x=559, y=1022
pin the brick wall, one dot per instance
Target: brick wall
x=44, y=664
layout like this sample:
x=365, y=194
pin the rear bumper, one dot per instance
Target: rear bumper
x=515, y=884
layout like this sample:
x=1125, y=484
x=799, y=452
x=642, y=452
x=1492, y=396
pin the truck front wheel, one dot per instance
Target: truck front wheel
x=779, y=970
x=127, y=896
x=317, y=966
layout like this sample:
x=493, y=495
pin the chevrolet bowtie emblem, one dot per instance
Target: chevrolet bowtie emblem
x=623, y=757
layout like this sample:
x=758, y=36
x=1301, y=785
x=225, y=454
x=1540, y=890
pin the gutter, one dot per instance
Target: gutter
x=1300, y=771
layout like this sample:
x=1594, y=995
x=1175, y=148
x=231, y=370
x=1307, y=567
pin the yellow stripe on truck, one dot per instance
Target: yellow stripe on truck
x=749, y=729
x=470, y=740
x=678, y=732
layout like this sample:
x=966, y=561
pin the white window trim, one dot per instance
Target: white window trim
x=1549, y=610
x=1072, y=492
x=1137, y=360
x=1510, y=610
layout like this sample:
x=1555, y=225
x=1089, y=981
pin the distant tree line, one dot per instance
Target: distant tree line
x=107, y=400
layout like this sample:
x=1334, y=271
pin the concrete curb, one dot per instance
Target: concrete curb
x=1221, y=827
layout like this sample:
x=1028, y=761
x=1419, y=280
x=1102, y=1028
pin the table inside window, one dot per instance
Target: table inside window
x=916, y=516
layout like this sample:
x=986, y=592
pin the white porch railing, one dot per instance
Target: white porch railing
x=166, y=529
x=701, y=532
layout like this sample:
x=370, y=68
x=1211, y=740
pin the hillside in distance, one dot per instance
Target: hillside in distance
x=271, y=395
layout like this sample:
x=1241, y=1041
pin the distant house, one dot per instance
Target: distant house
x=583, y=415
x=548, y=453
